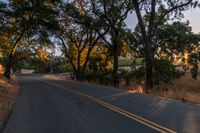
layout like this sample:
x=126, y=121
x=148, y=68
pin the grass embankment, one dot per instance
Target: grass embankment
x=8, y=92
x=184, y=89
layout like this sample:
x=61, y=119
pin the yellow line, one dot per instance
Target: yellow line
x=132, y=116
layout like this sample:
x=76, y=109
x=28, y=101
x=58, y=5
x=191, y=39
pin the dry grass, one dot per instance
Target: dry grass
x=8, y=93
x=2, y=69
x=184, y=89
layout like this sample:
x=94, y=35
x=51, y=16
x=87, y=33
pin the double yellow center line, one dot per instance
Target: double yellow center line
x=123, y=112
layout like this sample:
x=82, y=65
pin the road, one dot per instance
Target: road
x=57, y=106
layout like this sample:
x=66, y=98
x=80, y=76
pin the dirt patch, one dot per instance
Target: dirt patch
x=9, y=90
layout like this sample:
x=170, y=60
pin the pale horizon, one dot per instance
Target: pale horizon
x=193, y=15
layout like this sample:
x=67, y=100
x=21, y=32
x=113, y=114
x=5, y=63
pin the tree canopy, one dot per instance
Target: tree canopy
x=92, y=34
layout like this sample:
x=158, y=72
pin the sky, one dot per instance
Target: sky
x=193, y=15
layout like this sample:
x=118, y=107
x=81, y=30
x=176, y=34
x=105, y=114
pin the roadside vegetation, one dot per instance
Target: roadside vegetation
x=9, y=90
x=89, y=40
x=185, y=89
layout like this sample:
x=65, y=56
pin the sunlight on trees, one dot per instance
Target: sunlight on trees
x=92, y=35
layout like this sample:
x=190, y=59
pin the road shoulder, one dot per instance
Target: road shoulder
x=9, y=90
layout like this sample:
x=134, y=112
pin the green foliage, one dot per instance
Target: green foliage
x=100, y=67
x=151, y=15
x=135, y=41
x=164, y=71
x=26, y=27
x=136, y=76
x=170, y=39
x=123, y=76
x=2, y=15
x=89, y=76
x=194, y=71
x=106, y=18
x=194, y=60
x=60, y=65
x=174, y=37
x=105, y=77
x=129, y=62
x=102, y=77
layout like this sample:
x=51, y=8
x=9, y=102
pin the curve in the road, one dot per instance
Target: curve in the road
x=123, y=112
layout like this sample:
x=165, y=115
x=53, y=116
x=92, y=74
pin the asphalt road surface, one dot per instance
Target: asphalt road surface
x=56, y=106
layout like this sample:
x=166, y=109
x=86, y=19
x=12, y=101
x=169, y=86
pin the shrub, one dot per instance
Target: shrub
x=89, y=76
x=165, y=71
x=135, y=75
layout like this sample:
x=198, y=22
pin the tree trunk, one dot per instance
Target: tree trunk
x=9, y=63
x=10, y=58
x=78, y=67
x=92, y=44
x=148, y=46
x=77, y=76
x=8, y=66
x=115, y=70
x=74, y=73
x=149, y=76
x=86, y=61
x=148, y=65
x=115, y=41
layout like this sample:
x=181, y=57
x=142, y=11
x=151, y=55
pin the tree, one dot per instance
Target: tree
x=156, y=12
x=25, y=18
x=3, y=22
x=106, y=17
x=173, y=45
x=78, y=48
x=2, y=15
x=34, y=53
x=77, y=40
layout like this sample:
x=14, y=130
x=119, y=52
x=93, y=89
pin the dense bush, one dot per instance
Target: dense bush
x=135, y=75
x=165, y=71
x=88, y=75
x=103, y=77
